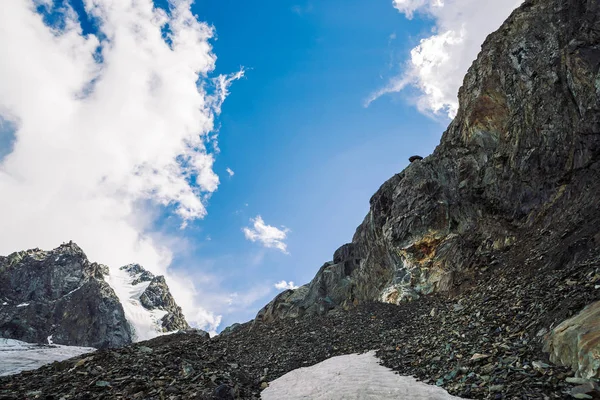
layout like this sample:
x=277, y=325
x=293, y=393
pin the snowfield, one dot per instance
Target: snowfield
x=354, y=376
x=17, y=356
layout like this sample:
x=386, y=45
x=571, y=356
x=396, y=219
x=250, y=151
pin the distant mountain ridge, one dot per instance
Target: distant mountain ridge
x=60, y=296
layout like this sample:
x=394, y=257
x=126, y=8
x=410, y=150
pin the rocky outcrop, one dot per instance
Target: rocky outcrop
x=156, y=296
x=576, y=342
x=59, y=295
x=519, y=161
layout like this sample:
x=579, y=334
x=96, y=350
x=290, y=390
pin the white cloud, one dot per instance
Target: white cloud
x=102, y=143
x=268, y=235
x=438, y=64
x=230, y=171
x=408, y=7
x=283, y=285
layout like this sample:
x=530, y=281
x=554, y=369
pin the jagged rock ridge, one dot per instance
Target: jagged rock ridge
x=520, y=158
x=61, y=295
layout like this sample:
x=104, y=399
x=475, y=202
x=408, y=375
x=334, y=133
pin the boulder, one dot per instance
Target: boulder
x=576, y=342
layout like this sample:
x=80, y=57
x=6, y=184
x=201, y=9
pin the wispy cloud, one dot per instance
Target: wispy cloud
x=230, y=171
x=302, y=9
x=269, y=236
x=109, y=129
x=239, y=301
x=283, y=285
x=438, y=64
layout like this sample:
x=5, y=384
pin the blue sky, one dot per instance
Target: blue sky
x=305, y=151
x=119, y=122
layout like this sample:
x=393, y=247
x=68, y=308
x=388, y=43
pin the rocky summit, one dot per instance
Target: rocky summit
x=477, y=268
x=60, y=297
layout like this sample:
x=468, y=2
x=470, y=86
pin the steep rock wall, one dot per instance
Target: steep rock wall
x=521, y=153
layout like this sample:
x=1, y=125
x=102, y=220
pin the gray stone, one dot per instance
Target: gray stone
x=230, y=329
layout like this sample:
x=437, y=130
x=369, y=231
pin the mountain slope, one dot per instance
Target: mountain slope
x=61, y=296
x=520, y=160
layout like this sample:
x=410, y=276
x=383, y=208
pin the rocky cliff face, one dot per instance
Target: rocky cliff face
x=60, y=295
x=519, y=161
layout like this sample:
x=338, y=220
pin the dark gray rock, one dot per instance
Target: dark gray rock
x=59, y=293
x=195, y=331
x=230, y=329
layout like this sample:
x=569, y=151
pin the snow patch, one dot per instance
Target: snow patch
x=354, y=376
x=20, y=356
x=23, y=305
x=72, y=291
x=144, y=323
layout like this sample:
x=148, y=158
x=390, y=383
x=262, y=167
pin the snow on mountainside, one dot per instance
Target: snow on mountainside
x=147, y=315
x=20, y=356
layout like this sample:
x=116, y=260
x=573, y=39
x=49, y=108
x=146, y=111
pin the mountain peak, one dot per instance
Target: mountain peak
x=51, y=293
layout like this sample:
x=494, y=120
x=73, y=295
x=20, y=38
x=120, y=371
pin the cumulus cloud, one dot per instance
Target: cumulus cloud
x=230, y=172
x=438, y=64
x=283, y=285
x=110, y=130
x=268, y=235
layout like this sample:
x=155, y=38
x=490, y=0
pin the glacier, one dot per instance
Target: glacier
x=20, y=356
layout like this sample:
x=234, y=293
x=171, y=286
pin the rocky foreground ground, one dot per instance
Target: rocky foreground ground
x=485, y=343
